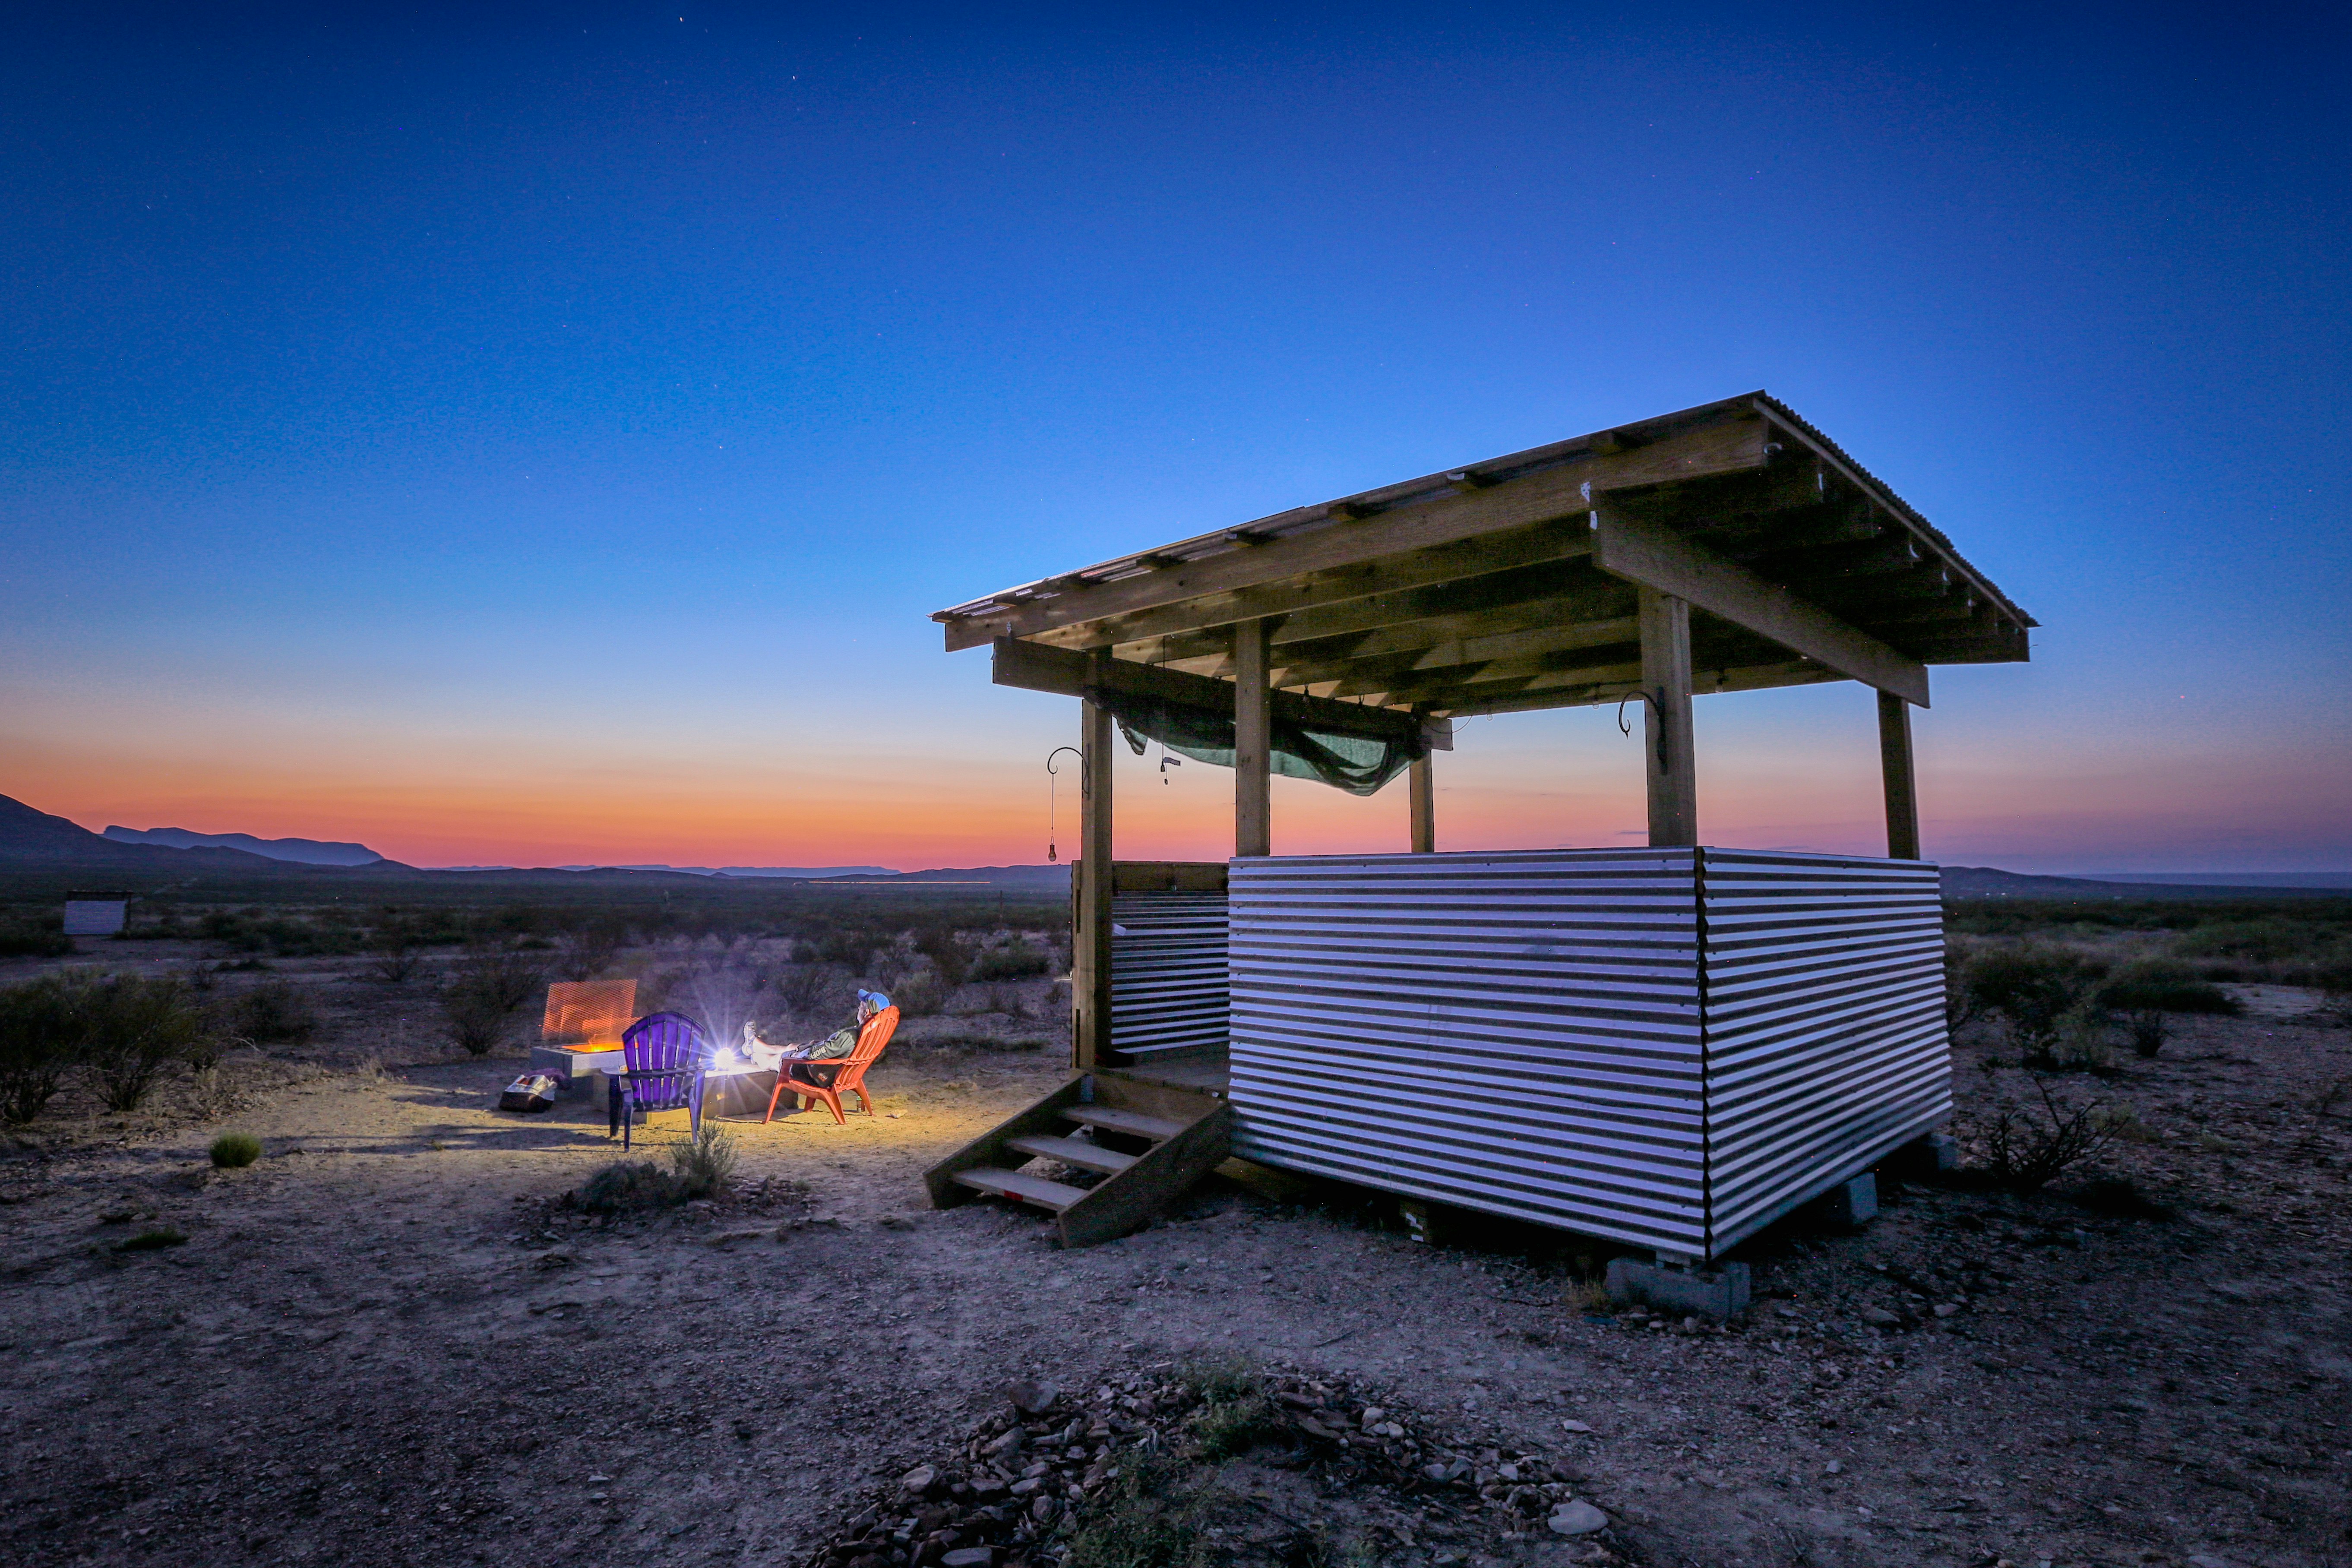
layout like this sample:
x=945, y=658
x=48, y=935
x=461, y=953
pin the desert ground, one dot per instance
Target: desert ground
x=393, y=1339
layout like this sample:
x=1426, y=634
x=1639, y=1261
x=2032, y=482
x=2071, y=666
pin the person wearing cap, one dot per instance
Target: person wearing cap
x=802, y=1064
x=838, y=1044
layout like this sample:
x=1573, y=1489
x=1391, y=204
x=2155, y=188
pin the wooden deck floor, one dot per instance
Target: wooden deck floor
x=1205, y=1073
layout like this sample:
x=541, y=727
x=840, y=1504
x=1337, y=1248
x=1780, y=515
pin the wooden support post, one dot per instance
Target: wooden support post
x=1252, y=742
x=1420, y=782
x=1902, y=783
x=1667, y=719
x=1090, y=937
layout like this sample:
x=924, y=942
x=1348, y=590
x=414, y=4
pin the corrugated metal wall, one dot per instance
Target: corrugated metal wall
x=1168, y=974
x=1518, y=1033
x=1538, y=1034
x=1825, y=1034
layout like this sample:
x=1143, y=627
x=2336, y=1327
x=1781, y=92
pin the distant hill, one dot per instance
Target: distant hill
x=796, y=873
x=303, y=851
x=1985, y=883
x=2306, y=881
x=1026, y=877
x=35, y=837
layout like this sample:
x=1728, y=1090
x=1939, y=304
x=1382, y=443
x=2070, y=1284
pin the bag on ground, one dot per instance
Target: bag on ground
x=532, y=1091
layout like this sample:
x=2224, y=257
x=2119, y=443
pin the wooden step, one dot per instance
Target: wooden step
x=1110, y=1119
x=1045, y=1194
x=1074, y=1152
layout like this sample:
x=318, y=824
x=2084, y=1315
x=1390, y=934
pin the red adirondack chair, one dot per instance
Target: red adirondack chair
x=848, y=1073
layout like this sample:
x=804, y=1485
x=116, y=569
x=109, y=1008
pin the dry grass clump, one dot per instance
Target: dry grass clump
x=153, y=1239
x=1235, y=1413
x=1148, y=1520
x=235, y=1150
x=704, y=1164
x=699, y=1167
x=627, y=1186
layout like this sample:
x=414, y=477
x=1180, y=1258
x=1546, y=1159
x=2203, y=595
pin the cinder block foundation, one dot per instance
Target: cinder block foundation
x=1718, y=1293
x=1430, y=1223
x=1852, y=1204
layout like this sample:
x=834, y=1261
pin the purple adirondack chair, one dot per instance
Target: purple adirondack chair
x=662, y=1056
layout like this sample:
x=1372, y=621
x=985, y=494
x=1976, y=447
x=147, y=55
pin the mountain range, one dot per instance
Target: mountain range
x=30, y=837
x=303, y=851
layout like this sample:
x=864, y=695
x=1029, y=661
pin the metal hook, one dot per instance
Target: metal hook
x=1053, y=847
x=1664, y=734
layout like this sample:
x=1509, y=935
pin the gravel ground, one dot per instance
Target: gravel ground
x=387, y=1341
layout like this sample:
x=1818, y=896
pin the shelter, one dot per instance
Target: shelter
x=96, y=913
x=1667, y=1046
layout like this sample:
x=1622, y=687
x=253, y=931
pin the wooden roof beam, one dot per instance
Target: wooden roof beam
x=1754, y=677
x=1035, y=667
x=1647, y=553
x=1540, y=543
x=1563, y=585
x=1546, y=495
x=1357, y=675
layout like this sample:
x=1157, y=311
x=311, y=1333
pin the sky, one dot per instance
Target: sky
x=540, y=434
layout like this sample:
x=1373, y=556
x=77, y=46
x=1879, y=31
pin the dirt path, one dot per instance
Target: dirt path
x=383, y=1344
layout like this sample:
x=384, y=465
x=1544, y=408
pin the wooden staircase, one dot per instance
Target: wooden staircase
x=1150, y=1141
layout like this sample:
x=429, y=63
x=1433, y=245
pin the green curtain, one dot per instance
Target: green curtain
x=1357, y=763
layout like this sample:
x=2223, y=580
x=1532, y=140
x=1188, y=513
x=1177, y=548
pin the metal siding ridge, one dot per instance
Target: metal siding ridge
x=1169, y=985
x=1510, y=1033
x=1826, y=1023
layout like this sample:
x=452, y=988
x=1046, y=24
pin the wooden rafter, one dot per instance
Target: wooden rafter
x=1510, y=583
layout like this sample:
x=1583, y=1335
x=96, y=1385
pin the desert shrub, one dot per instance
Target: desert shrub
x=704, y=1164
x=586, y=951
x=286, y=936
x=627, y=1186
x=394, y=958
x=154, y=1239
x=502, y=974
x=489, y=984
x=919, y=995
x=2033, y=989
x=802, y=987
x=1962, y=1004
x=1013, y=960
x=2267, y=941
x=885, y=967
x=2149, y=1028
x=2081, y=1042
x=2025, y=1151
x=34, y=938
x=43, y=1029
x=273, y=1013
x=2334, y=983
x=948, y=956
x=136, y=1029
x=235, y=1150
x=2164, y=985
x=476, y=1021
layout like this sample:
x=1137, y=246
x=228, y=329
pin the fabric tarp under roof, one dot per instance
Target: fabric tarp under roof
x=1360, y=765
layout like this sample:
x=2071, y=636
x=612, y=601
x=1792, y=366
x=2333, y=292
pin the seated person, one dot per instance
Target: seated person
x=832, y=1048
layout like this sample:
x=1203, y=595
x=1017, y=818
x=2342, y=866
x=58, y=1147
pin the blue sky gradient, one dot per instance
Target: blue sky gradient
x=540, y=432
